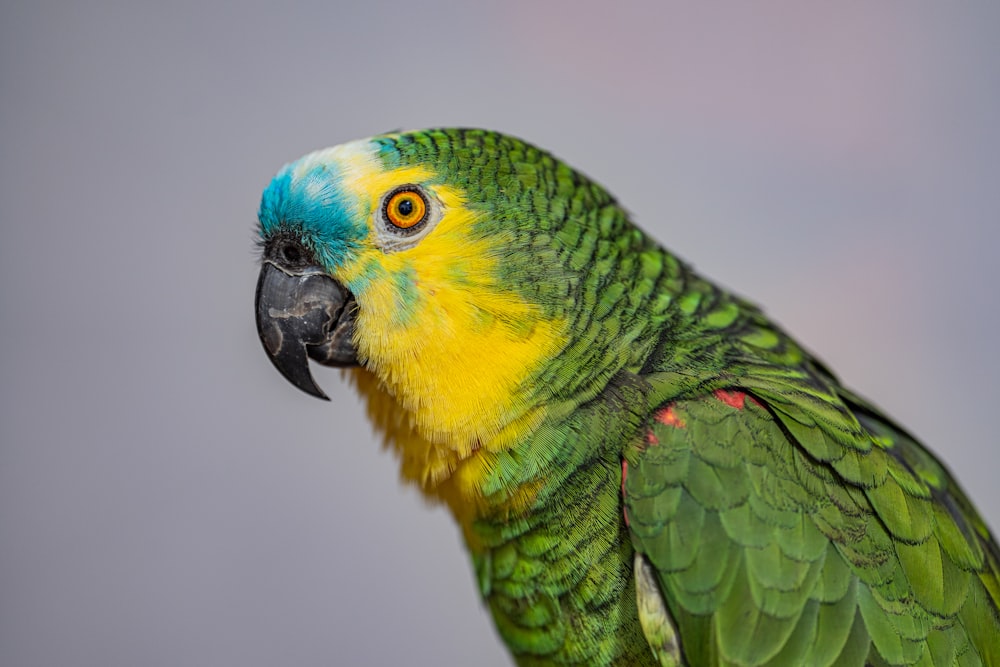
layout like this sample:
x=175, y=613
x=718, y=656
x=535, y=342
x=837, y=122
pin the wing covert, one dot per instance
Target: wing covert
x=773, y=552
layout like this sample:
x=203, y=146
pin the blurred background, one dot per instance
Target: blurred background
x=166, y=498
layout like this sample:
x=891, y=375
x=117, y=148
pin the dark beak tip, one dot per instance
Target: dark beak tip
x=312, y=389
x=303, y=381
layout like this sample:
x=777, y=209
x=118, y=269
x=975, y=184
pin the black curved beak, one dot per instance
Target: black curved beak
x=302, y=315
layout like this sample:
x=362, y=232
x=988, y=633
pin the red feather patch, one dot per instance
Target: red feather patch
x=669, y=417
x=734, y=399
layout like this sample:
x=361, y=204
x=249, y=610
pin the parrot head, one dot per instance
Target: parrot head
x=449, y=265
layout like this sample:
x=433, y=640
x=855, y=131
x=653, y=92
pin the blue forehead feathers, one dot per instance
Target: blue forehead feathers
x=306, y=198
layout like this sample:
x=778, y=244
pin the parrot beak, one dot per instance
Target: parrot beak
x=304, y=314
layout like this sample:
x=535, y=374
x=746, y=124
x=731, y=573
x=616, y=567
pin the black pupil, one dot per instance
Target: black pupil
x=405, y=207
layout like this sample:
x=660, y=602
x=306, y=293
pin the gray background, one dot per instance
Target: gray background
x=167, y=499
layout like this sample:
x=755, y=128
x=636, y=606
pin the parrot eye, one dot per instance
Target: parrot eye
x=405, y=207
x=404, y=216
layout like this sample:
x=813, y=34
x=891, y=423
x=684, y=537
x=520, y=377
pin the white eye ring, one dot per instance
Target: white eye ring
x=392, y=237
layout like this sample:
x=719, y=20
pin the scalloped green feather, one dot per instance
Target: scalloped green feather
x=745, y=633
x=908, y=518
x=937, y=581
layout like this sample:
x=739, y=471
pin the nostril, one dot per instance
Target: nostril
x=291, y=253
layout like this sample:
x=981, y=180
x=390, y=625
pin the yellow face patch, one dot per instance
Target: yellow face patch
x=453, y=349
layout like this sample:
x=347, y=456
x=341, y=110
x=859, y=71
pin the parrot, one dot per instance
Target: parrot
x=645, y=468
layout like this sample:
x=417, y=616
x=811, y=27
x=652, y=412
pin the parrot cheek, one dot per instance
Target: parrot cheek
x=301, y=315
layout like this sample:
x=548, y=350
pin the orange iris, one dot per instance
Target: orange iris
x=405, y=209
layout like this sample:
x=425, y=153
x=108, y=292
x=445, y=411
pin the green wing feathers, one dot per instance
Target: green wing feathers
x=802, y=528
